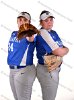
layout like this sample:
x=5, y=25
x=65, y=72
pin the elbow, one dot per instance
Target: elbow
x=61, y=51
x=67, y=50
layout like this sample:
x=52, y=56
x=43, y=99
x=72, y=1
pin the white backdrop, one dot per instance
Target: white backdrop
x=63, y=24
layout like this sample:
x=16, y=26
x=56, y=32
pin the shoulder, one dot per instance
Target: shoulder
x=54, y=33
x=45, y=34
x=14, y=33
x=43, y=30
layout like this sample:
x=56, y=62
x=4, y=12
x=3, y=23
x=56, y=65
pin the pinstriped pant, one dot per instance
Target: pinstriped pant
x=48, y=81
x=21, y=81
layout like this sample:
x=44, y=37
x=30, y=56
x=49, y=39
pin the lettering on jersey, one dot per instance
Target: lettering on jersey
x=14, y=39
x=59, y=43
x=10, y=47
x=11, y=42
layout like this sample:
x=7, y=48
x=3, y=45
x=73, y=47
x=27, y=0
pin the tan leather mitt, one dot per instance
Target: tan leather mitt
x=27, y=30
x=52, y=62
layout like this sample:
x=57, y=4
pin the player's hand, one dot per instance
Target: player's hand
x=30, y=39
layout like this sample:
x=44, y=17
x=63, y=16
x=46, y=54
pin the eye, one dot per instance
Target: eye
x=46, y=20
x=25, y=19
x=51, y=19
x=20, y=19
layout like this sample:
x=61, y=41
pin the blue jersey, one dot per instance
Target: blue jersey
x=46, y=43
x=20, y=52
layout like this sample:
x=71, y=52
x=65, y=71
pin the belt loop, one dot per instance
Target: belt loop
x=15, y=67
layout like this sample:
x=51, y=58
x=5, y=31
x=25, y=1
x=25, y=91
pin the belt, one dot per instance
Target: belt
x=41, y=63
x=16, y=67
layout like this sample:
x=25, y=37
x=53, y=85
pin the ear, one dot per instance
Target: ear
x=41, y=22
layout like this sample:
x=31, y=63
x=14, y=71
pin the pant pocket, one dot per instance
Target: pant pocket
x=55, y=74
x=58, y=69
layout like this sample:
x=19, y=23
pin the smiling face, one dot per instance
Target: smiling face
x=22, y=20
x=47, y=23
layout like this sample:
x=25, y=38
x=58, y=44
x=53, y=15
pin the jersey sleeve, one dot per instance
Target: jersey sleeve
x=48, y=40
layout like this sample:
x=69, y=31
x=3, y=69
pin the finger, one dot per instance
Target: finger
x=51, y=69
x=53, y=66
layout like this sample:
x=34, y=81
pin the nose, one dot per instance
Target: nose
x=21, y=22
x=49, y=21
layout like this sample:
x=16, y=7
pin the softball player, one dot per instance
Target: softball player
x=47, y=43
x=20, y=61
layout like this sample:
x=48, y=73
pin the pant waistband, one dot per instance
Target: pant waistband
x=16, y=67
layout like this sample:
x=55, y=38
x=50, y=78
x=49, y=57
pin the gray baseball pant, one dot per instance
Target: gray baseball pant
x=21, y=82
x=48, y=81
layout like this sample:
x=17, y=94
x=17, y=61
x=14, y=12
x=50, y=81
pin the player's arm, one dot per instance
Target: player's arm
x=56, y=50
x=61, y=51
x=30, y=39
